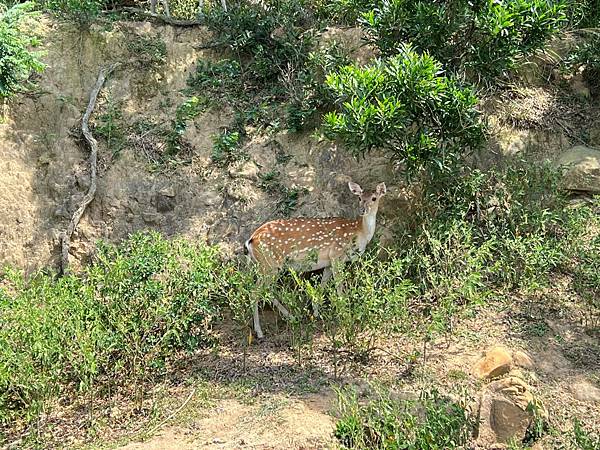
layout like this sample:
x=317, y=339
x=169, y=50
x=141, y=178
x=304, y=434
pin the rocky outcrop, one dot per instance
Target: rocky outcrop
x=507, y=410
x=497, y=361
x=582, y=168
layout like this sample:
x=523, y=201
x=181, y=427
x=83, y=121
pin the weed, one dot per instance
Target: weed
x=17, y=58
x=185, y=112
x=226, y=149
x=119, y=321
x=149, y=51
x=431, y=422
x=108, y=126
x=288, y=197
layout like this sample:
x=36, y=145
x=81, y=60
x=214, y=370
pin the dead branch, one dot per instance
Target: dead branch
x=65, y=239
x=162, y=18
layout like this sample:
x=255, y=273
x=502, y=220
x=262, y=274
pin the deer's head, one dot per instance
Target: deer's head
x=368, y=202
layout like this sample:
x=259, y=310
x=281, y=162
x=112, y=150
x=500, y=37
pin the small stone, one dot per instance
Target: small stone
x=165, y=203
x=496, y=362
x=168, y=191
x=210, y=198
x=522, y=359
x=151, y=218
x=247, y=170
x=585, y=392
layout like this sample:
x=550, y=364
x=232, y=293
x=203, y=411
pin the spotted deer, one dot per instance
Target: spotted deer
x=308, y=244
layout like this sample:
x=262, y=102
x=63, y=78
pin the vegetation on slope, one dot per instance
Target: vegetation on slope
x=123, y=320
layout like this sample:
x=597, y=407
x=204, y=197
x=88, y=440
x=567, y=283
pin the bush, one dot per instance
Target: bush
x=429, y=423
x=81, y=12
x=515, y=223
x=17, y=61
x=117, y=323
x=482, y=39
x=405, y=106
x=586, y=57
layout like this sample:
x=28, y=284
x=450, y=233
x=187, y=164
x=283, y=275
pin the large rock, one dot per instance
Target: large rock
x=585, y=392
x=497, y=361
x=582, y=168
x=504, y=414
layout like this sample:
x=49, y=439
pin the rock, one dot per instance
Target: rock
x=496, y=362
x=585, y=392
x=210, y=198
x=248, y=170
x=579, y=86
x=582, y=168
x=150, y=217
x=522, y=359
x=168, y=191
x=165, y=203
x=504, y=414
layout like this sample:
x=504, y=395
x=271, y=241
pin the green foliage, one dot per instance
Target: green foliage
x=288, y=197
x=482, y=39
x=585, y=14
x=429, y=423
x=268, y=74
x=367, y=299
x=220, y=80
x=512, y=226
x=586, y=57
x=149, y=51
x=226, y=149
x=583, y=439
x=404, y=105
x=17, y=60
x=116, y=323
x=109, y=127
x=81, y=12
x=188, y=110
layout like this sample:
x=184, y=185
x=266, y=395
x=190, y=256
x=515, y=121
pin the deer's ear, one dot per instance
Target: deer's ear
x=355, y=188
x=381, y=189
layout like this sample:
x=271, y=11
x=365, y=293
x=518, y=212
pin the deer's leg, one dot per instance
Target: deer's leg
x=327, y=273
x=166, y=7
x=282, y=309
x=153, y=6
x=257, y=328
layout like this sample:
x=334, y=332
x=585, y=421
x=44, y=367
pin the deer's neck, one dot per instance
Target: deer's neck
x=368, y=224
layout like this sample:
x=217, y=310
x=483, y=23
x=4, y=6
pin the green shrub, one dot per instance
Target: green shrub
x=365, y=300
x=149, y=51
x=483, y=39
x=404, y=105
x=81, y=12
x=188, y=110
x=516, y=221
x=226, y=148
x=116, y=324
x=17, y=60
x=586, y=57
x=431, y=422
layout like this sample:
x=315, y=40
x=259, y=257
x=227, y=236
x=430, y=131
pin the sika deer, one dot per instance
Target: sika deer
x=308, y=244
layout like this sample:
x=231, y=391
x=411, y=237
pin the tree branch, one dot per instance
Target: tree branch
x=65, y=239
x=163, y=18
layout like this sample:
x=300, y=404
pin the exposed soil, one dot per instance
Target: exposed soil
x=281, y=399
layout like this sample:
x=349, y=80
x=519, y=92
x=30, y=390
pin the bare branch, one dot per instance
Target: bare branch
x=65, y=239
